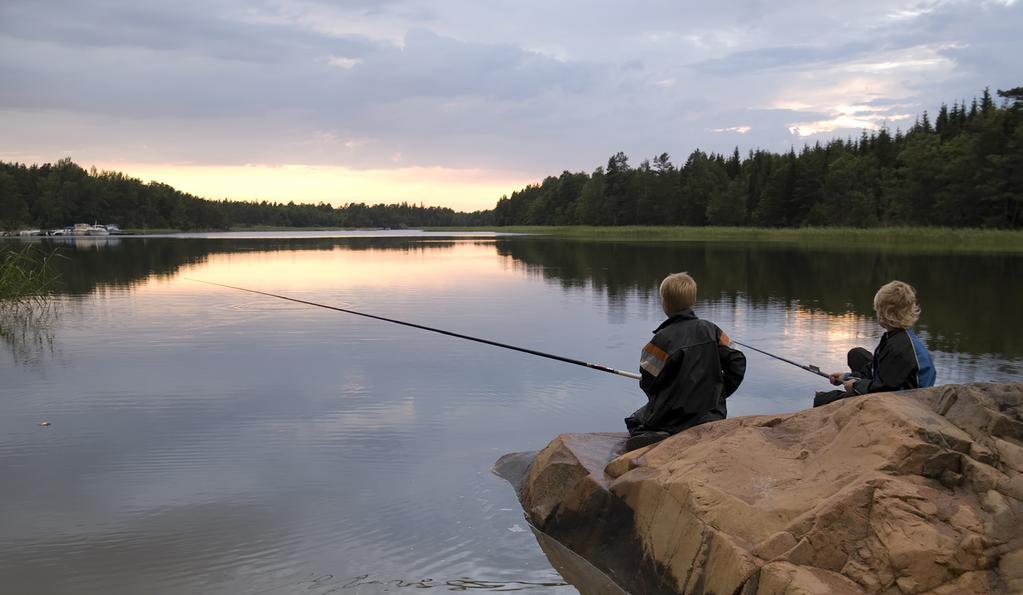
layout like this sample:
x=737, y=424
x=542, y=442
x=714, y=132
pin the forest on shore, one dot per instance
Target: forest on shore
x=52, y=196
x=963, y=169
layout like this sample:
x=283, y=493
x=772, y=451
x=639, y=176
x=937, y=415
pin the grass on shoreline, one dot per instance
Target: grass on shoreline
x=923, y=237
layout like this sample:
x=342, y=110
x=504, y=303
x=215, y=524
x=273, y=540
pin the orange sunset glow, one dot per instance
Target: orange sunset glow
x=459, y=189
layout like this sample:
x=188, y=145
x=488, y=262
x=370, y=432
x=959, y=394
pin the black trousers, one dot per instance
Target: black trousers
x=860, y=362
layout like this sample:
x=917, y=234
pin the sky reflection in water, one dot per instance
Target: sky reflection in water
x=211, y=440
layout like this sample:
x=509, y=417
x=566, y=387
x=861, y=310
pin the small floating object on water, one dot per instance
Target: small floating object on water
x=44, y=423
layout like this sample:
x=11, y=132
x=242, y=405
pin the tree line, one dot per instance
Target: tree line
x=964, y=169
x=55, y=195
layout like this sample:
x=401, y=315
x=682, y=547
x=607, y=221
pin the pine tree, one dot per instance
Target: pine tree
x=941, y=123
x=986, y=103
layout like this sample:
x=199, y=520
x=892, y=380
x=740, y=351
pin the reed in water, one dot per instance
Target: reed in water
x=27, y=275
x=27, y=278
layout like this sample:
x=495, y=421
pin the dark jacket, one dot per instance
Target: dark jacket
x=687, y=371
x=901, y=361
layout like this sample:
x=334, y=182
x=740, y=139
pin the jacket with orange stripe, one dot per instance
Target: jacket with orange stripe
x=688, y=370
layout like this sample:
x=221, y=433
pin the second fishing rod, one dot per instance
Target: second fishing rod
x=808, y=367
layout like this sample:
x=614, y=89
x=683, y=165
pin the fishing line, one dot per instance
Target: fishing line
x=552, y=356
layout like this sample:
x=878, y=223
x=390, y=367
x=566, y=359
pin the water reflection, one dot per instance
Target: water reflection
x=208, y=440
x=804, y=280
x=967, y=298
x=26, y=328
x=128, y=261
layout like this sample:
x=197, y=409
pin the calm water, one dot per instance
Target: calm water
x=208, y=440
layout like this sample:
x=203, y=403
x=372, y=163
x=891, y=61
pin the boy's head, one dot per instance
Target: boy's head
x=895, y=304
x=678, y=292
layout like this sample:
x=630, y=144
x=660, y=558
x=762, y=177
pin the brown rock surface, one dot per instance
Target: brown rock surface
x=912, y=492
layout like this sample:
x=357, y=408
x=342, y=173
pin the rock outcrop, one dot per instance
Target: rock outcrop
x=912, y=492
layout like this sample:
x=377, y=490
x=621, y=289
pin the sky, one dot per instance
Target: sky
x=458, y=102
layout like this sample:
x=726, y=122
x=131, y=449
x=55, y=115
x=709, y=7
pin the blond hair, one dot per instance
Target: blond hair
x=678, y=292
x=895, y=304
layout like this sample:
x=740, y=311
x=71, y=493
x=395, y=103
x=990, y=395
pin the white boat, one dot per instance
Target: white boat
x=84, y=229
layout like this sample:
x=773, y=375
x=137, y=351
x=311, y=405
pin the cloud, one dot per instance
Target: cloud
x=431, y=65
x=214, y=29
x=847, y=121
x=781, y=58
x=521, y=87
x=736, y=129
x=343, y=62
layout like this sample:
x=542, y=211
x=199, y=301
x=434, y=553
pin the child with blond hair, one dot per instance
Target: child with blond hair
x=901, y=360
x=687, y=370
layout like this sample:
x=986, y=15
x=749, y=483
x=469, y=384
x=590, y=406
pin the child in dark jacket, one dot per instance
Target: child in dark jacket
x=687, y=370
x=901, y=360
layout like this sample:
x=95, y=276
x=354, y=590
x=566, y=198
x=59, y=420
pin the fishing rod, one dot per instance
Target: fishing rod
x=809, y=367
x=559, y=358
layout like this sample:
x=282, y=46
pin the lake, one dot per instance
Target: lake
x=214, y=441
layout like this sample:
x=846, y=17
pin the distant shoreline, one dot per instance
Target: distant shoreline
x=903, y=237
x=925, y=238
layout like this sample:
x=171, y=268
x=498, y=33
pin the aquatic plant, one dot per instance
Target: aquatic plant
x=26, y=274
x=27, y=277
